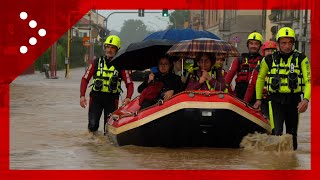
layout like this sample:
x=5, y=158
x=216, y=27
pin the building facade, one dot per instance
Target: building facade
x=234, y=26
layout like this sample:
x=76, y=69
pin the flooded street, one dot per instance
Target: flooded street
x=48, y=130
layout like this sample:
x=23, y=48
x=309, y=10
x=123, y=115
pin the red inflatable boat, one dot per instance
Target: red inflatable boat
x=190, y=118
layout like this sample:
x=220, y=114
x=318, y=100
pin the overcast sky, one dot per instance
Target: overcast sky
x=153, y=21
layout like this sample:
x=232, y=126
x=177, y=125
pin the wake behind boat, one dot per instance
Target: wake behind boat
x=189, y=119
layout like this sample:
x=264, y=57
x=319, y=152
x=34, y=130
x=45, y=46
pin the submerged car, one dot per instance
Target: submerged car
x=139, y=75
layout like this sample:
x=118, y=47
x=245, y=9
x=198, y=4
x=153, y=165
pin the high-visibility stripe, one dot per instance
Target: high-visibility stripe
x=88, y=71
x=271, y=115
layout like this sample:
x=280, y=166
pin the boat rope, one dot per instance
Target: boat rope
x=161, y=102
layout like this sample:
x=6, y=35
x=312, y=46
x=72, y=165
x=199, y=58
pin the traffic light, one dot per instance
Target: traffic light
x=165, y=13
x=141, y=12
x=104, y=33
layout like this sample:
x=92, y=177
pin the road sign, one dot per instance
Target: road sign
x=236, y=39
x=86, y=41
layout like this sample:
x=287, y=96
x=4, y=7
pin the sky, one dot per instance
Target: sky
x=153, y=21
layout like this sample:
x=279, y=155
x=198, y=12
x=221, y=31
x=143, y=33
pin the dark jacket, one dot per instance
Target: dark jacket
x=170, y=82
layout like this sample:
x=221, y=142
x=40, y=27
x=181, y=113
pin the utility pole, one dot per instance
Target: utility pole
x=67, y=61
x=53, y=64
x=91, y=47
x=305, y=30
x=53, y=61
x=300, y=29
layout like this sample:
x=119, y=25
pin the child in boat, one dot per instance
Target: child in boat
x=160, y=85
x=205, y=77
x=220, y=60
x=187, y=65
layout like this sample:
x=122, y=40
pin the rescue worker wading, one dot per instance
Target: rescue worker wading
x=267, y=48
x=106, y=86
x=244, y=65
x=289, y=77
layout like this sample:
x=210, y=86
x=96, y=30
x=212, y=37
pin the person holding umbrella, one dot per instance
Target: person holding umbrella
x=205, y=77
x=106, y=87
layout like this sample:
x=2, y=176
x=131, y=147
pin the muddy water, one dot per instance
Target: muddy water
x=48, y=130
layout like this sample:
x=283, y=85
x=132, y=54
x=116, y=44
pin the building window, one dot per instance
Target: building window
x=83, y=34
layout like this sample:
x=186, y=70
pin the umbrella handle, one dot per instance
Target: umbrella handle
x=182, y=67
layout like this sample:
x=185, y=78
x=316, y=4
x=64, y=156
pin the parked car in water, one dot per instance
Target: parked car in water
x=140, y=75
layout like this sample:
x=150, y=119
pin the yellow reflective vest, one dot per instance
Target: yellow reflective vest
x=279, y=71
x=109, y=77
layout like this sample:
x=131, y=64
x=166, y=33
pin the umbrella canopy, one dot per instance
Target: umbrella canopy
x=190, y=48
x=181, y=34
x=141, y=55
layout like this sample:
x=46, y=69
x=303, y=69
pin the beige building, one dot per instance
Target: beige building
x=91, y=19
x=299, y=20
x=235, y=25
x=196, y=16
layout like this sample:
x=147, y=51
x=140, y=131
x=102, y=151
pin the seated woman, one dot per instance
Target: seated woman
x=206, y=77
x=160, y=85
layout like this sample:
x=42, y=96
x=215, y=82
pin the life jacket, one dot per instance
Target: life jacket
x=246, y=66
x=106, y=79
x=285, y=77
x=212, y=73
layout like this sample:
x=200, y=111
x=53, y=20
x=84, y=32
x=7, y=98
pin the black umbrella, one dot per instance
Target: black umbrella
x=141, y=55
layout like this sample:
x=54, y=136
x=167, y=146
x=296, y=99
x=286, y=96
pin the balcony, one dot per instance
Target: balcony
x=284, y=17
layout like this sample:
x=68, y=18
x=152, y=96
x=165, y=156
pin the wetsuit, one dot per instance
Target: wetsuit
x=289, y=77
x=105, y=100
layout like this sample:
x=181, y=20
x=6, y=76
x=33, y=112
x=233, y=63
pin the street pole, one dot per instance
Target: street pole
x=67, y=61
x=53, y=71
x=68, y=56
x=90, y=35
x=300, y=29
x=305, y=31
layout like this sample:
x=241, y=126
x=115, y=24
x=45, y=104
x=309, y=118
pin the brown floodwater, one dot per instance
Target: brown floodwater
x=48, y=130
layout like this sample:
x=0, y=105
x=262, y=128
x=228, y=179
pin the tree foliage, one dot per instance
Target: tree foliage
x=132, y=31
x=178, y=17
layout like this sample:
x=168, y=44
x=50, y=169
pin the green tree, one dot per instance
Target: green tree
x=178, y=17
x=132, y=31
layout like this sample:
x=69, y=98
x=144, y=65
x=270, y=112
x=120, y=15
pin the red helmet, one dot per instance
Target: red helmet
x=268, y=45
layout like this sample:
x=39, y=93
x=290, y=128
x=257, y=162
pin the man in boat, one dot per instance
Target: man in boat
x=106, y=87
x=244, y=65
x=289, y=78
x=205, y=77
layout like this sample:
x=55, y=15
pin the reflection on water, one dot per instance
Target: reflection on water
x=48, y=130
